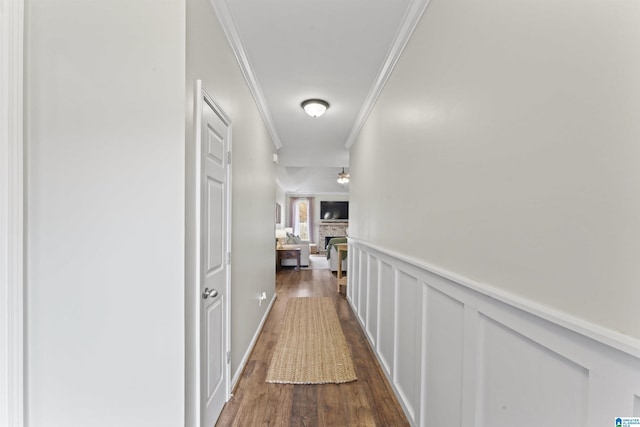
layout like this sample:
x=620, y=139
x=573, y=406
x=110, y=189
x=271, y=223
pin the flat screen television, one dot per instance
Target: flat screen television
x=334, y=211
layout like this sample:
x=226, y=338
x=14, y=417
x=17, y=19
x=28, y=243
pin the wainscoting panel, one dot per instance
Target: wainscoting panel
x=372, y=303
x=353, y=276
x=362, y=282
x=351, y=270
x=461, y=353
x=386, y=344
x=552, y=390
x=444, y=366
x=408, y=324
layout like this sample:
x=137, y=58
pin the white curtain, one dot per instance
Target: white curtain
x=301, y=217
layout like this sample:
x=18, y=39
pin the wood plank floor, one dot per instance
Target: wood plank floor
x=368, y=401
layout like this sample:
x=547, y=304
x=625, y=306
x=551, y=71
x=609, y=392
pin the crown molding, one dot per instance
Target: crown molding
x=12, y=374
x=228, y=25
x=409, y=22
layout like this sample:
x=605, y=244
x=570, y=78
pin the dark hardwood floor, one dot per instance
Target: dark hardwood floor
x=368, y=401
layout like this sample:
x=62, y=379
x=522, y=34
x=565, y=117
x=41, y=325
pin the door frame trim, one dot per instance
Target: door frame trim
x=12, y=261
x=202, y=96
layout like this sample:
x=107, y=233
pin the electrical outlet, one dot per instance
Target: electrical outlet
x=261, y=297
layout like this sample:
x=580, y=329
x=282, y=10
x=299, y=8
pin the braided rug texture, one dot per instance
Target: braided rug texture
x=311, y=348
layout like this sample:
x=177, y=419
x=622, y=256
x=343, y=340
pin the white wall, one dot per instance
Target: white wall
x=210, y=58
x=511, y=131
x=105, y=212
x=11, y=214
x=506, y=291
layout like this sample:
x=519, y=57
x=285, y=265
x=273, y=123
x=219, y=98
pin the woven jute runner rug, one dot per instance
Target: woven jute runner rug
x=311, y=348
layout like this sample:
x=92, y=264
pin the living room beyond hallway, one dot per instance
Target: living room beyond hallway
x=368, y=401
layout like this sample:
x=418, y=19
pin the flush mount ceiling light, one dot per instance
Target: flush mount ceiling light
x=315, y=107
x=343, y=177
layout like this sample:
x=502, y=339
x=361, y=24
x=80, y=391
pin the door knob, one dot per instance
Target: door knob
x=209, y=293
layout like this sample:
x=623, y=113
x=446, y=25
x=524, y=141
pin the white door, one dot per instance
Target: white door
x=215, y=254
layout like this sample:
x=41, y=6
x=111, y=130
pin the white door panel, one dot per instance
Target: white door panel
x=215, y=351
x=214, y=246
x=214, y=232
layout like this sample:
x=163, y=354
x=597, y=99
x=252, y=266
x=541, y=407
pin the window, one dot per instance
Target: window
x=301, y=217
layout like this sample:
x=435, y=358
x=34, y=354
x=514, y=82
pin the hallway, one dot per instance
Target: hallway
x=369, y=401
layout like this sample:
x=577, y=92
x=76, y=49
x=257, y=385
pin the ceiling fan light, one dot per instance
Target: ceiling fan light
x=315, y=107
x=343, y=177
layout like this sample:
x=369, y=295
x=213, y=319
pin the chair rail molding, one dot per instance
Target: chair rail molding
x=11, y=215
x=459, y=352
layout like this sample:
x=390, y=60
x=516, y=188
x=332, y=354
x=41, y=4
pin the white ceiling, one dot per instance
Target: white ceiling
x=341, y=51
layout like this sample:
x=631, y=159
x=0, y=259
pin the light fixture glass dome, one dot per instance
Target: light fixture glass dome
x=315, y=107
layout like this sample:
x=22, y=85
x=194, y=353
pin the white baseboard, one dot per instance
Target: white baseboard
x=238, y=373
x=457, y=352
